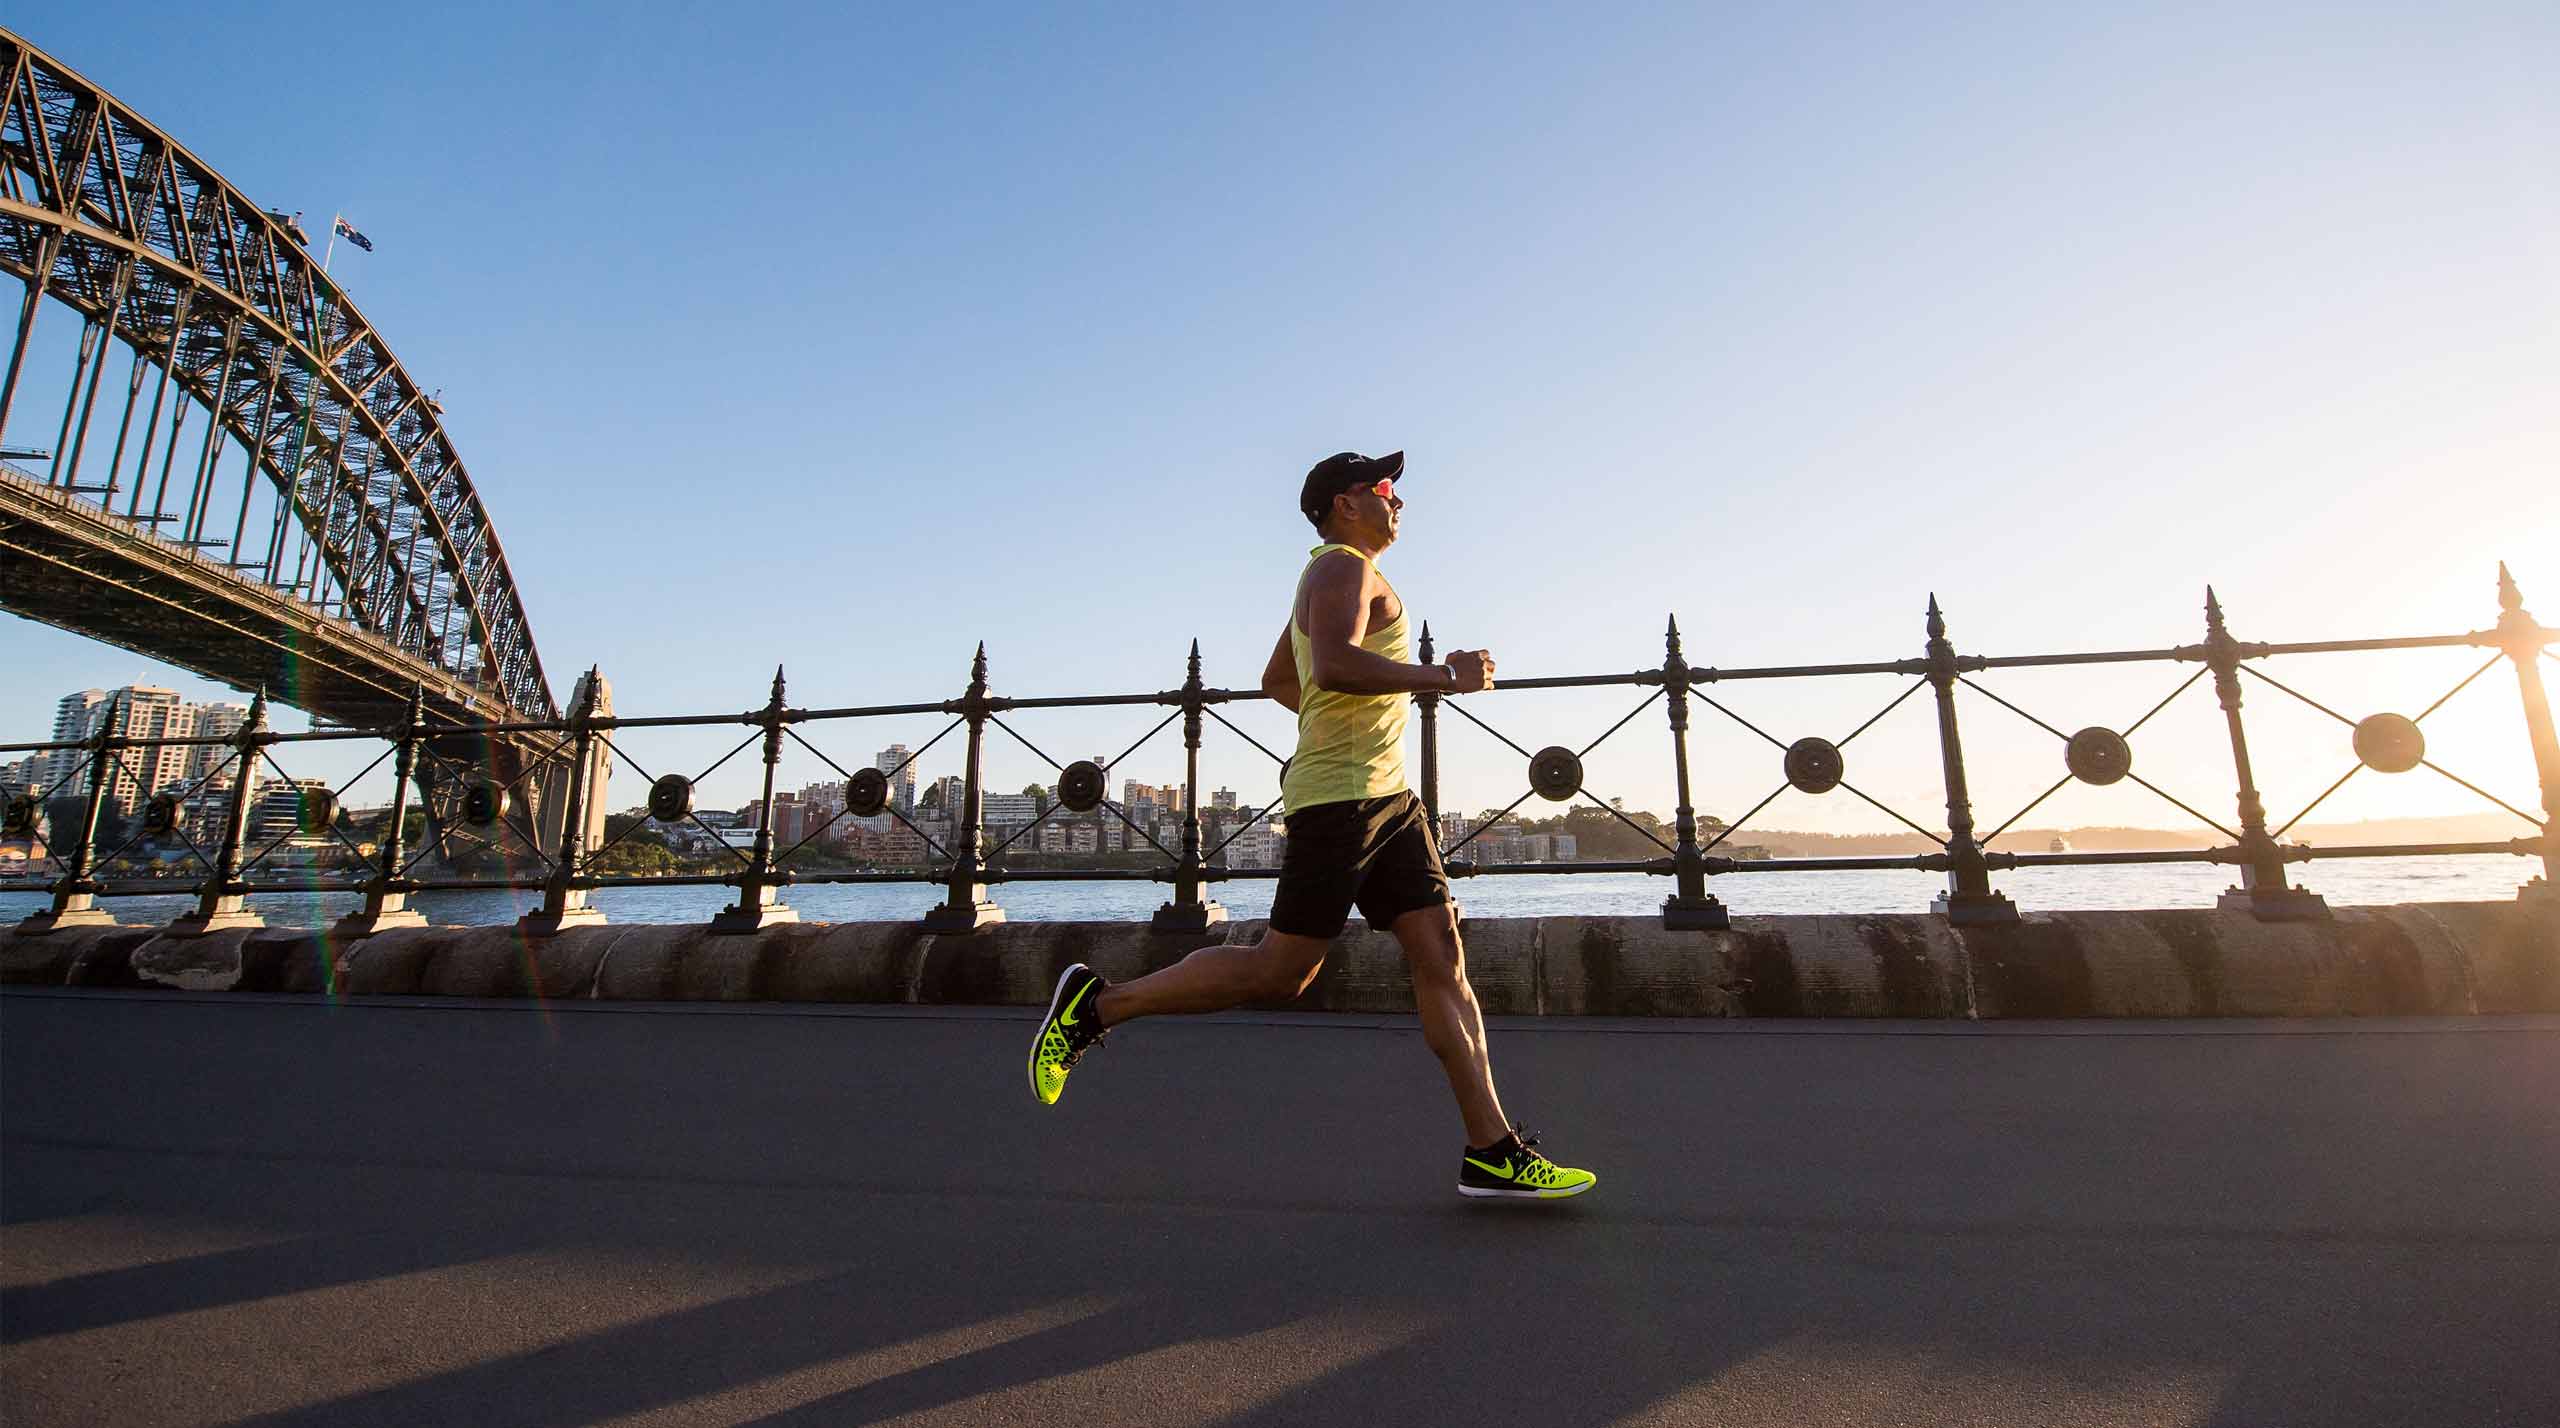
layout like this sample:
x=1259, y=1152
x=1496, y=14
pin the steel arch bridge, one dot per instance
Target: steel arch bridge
x=395, y=578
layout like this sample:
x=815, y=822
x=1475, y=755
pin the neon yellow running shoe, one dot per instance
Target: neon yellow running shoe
x=1512, y=1169
x=1071, y=1029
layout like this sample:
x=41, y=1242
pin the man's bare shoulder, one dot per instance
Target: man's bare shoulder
x=1338, y=565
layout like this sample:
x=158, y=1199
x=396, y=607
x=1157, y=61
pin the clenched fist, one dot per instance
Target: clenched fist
x=1473, y=668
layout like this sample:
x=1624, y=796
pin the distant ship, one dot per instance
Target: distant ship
x=2059, y=844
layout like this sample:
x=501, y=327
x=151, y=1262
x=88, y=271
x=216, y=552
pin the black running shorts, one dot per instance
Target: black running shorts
x=1377, y=852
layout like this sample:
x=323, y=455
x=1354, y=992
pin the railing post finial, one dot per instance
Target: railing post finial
x=386, y=893
x=1190, y=910
x=2523, y=639
x=1690, y=908
x=965, y=906
x=2262, y=890
x=759, y=904
x=1969, y=899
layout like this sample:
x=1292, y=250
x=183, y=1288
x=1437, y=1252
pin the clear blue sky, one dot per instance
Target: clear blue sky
x=921, y=325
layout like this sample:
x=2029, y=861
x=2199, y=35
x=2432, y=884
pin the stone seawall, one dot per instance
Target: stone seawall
x=2430, y=959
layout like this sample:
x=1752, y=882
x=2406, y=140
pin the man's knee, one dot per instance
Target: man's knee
x=1287, y=965
x=1431, y=945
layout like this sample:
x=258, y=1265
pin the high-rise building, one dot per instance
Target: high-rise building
x=213, y=721
x=149, y=712
x=140, y=711
x=75, y=718
x=902, y=776
x=1224, y=798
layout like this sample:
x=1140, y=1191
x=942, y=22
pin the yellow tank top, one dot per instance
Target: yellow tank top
x=1350, y=746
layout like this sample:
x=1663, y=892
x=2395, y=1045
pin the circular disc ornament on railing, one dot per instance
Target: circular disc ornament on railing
x=1080, y=786
x=670, y=797
x=866, y=793
x=483, y=804
x=2098, y=755
x=314, y=810
x=1814, y=765
x=2390, y=743
x=19, y=820
x=1555, y=772
x=160, y=814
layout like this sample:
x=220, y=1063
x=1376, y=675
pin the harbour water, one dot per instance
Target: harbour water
x=2345, y=883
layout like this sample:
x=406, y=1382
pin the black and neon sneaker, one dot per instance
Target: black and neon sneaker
x=1512, y=1168
x=1070, y=1030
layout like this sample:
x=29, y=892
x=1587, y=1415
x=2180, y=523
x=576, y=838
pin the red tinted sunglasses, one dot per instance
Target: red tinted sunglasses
x=1384, y=490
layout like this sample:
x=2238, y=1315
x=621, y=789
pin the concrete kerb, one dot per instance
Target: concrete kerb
x=2419, y=959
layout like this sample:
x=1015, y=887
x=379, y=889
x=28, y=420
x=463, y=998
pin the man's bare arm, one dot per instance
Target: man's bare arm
x=1336, y=617
x=1280, y=675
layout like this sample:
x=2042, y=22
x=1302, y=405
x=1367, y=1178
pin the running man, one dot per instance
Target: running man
x=1357, y=835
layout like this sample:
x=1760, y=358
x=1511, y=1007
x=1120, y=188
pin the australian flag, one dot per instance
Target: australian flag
x=348, y=231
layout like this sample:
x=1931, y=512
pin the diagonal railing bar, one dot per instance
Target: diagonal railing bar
x=45, y=800
x=1478, y=831
x=288, y=835
x=616, y=841
x=1896, y=817
x=938, y=850
x=606, y=736
x=1261, y=815
x=2201, y=672
x=461, y=775
x=715, y=764
x=2484, y=793
x=2012, y=708
x=1736, y=825
x=336, y=799
x=2032, y=803
x=1026, y=743
x=127, y=770
x=2298, y=694
x=2490, y=664
x=909, y=761
x=1913, y=688
x=1987, y=838
x=2315, y=803
x=1151, y=733
x=1648, y=834
x=1018, y=833
x=1170, y=855
x=1236, y=832
x=843, y=813
x=1239, y=733
x=338, y=795
x=1774, y=741
x=1622, y=723
x=1461, y=711
x=2190, y=812
x=193, y=848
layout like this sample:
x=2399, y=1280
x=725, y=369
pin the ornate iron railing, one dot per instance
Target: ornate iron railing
x=589, y=739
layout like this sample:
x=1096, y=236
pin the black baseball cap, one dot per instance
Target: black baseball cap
x=1341, y=472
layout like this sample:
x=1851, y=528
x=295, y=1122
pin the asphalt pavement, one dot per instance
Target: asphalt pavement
x=239, y=1210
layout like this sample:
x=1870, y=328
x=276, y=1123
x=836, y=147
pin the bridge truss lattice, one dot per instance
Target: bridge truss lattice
x=224, y=313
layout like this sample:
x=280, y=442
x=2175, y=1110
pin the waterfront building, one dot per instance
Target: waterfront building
x=893, y=761
x=75, y=717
